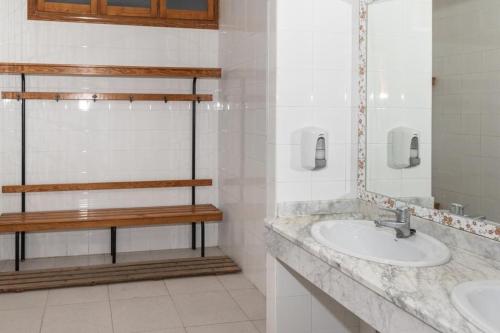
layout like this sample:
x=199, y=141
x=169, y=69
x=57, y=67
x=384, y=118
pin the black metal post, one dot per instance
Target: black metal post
x=193, y=165
x=23, y=162
x=203, y=239
x=113, y=244
x=17, y=251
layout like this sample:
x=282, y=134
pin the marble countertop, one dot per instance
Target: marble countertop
x=422, y=292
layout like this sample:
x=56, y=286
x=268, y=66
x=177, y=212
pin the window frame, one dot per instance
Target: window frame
x=106, y=9
x=188, y=14
x=43, y=5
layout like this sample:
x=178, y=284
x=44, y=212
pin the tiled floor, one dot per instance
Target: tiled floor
x=225, y=304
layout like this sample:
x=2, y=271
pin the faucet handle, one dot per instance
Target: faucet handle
x=403, y=214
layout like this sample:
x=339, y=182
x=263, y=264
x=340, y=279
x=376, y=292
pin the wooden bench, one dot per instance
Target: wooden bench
x=106, y=218
x=111, y=217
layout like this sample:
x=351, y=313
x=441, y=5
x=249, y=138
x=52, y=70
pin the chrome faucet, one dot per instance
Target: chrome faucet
x=401, y=224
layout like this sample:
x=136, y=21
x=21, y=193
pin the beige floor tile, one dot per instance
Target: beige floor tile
x=6, y=265
x=242, y=327
x=78, y=318
x=193, y=285
x=184, y=253
x=252, y=302
x=78, y=261
x=29, y=299
x=235, y=281
x=78, y=295
x=137, y=289
x=207, y=308
x=260, y=325
x=144, y=314
x=126, y=257
x=168, y=330
x=21, y=321
x=213, y=252
x=37, y=263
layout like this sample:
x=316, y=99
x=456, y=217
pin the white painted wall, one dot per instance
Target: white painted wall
x=399, y=92
x=312, y=76
x=79, y=141
x=466, y=106
x=243, y=134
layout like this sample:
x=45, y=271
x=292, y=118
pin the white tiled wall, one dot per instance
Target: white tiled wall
x=466, y=108
x=399, y=92
x=300, y=307
x=243, y=134
x=287, y=65
x=311, y=74
x=81, y=141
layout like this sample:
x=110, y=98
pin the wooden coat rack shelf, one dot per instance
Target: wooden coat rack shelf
x=55, y=96
x=107, y=71
x=113, y=217
x=105, y=186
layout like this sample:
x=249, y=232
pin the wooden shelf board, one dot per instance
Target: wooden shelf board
x=105, y=96
x=104, y=186
x=102, y=70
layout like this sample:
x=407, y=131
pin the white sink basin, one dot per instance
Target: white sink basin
x=479, y=302
x=362, y=239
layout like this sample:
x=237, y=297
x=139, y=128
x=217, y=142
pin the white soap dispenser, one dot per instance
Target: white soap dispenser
x=314, y=148
x=403, y=148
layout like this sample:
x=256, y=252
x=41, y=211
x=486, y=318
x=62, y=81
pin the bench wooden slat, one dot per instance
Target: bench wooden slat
x=105, y=186
x=105, y=218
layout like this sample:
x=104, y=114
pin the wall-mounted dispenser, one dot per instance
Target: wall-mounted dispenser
x=314, y=148
x=403, y=148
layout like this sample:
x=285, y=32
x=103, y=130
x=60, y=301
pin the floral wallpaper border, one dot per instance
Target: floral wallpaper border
x=482, y=228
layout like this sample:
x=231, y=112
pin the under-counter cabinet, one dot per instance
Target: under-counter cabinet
x=170, y=13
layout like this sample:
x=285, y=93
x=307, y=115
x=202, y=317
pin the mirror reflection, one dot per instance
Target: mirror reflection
x=433, y=84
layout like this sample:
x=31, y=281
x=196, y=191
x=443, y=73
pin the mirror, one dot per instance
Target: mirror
x=433, y=104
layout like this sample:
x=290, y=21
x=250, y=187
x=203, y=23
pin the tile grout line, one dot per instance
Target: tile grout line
x=231, y=296
x=173, y=304
x=44, y=311
x=254, y=323
x=253, y=288
x=110, y=309
x=226, y=323
x=238, y=304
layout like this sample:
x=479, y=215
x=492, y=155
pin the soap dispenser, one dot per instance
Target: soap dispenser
x=314, y=148
x=403, y=148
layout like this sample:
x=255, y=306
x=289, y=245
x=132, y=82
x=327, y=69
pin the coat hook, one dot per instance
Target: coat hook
x=198, y=99
x=165, y=99
x=58, y=97
x=18, y=97
x=131, y=98
x=94, y=97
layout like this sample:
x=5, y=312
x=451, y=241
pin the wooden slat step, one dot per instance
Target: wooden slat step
x=118, y=273
x=105, y=70
x=105, y=186
x=105, y=218
x=105, y=269
x=71, y=96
